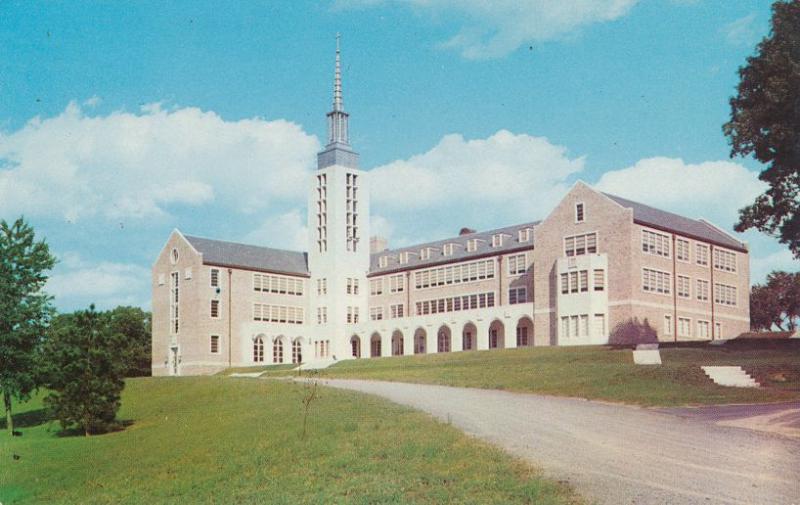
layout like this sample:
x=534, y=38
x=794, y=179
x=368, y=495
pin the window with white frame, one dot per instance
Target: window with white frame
x=584, y=322
x=656, y=281
x=174, y=305
x=396, y=310
x=322, y=286
x=397, y=283
x=724, y=260
x=455, y=303
x=376, y=287
x=718, y=329
x=375, y=313
x=383, y=261
x=578, y=245
x=655, y=243
x=600, y=325
x=350, y=286
x=703, y=328
x=404, y=257
x=701, y=254
x=725, y=294
x=684, y=327
x=584, y=280
x=517, y=295
x=447, y=250
x=580, y=213
x=214, y=277
x=668, y=324
x=599, y=279
x=214, y=344
x=355, y=314
x=564, y=326
x=349, y=314
x=682, y=249
x=525, y=235
x=701, y=290
x=214, y=308
x=573, y=323
x=573, y=282
x=277, y=313
x=455, y=274
x=564, y=283
x=278, y=284
x=497, y=240
x=355, y=286
x=517, y=264
x=683, y=286
x=472, y=245
x=425, y=253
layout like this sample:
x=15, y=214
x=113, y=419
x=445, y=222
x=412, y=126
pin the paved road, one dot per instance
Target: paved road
x=616, y=454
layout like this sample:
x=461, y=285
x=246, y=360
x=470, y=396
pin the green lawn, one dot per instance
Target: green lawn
x=600, y=373
x=228, y=440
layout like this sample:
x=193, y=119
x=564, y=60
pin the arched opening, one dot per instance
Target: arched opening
x=397, y=343
x=277, y=350
x=375, y=345
x=468, y=337
x=419, y=341
x=443, y=339
x=297, y=350
x=497, y=335
x=524, y=332
x=258, y=349
x=355, y=346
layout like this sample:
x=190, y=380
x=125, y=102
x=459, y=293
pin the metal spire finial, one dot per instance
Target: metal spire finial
x=337, y=81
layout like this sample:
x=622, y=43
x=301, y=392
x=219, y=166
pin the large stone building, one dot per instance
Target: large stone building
x=594, y=265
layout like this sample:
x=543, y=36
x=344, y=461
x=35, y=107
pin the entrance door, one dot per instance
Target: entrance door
x=173, y=360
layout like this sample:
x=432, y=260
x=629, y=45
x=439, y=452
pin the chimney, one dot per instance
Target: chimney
x=377, y=244
x=466, y=231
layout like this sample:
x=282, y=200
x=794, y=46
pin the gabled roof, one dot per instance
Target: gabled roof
x=667, y=221
x=484, y=247
x=231, y=254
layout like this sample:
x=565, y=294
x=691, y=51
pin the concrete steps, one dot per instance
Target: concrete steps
x=732, y=376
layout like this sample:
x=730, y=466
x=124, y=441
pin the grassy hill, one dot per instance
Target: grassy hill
x=600, y=373
x=225, y=440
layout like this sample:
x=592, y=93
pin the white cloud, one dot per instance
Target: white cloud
x=127, y=165
x=285, y=231
x=494, y=29
x=741, y=32
x=76, y=283
x=714, y=190
x=502, y=172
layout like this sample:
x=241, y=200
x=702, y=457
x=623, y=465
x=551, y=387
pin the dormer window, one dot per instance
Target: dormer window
x=580, y=213
x=403, y=258
x=425, y=253
x=447, y=250
x=472, y=245
x=383, y=261
x=525, y=235
x=497, y=240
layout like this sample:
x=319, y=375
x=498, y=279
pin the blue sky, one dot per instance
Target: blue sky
x=120, y=123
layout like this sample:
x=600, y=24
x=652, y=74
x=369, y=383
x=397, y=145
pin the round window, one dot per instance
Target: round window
x=174, y=256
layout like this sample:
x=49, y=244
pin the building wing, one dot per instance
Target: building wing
x=250, y=257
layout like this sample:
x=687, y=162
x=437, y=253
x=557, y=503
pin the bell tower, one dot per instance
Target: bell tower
x=338, y=221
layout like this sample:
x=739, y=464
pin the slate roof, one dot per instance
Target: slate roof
x=231, y=254
x=510, y=243
x=694, y=228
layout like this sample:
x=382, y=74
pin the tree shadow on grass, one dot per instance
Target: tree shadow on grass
x=77, y=432
x=28, y=419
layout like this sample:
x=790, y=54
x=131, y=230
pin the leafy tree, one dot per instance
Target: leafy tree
x=765, y=123
x=133, y=325
x=776, y=303
x=24, y=309
x=84, y=371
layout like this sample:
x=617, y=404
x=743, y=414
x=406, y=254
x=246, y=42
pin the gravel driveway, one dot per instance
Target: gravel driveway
x=616, y=454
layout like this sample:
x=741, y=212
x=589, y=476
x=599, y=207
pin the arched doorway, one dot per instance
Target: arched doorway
x=355, y=346
x=497, y=336
x=469, y=337
x=297, y=350
x=524, y=332
x=277, y=350
x=258, y=349
x=375, y=345
x=443, y=339
x=419, y=341
x=397, y=343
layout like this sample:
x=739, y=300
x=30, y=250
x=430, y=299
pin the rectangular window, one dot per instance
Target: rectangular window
x=682, y=249
x=584, y=280
x=455, y=274
x=497, y=240
x=425, y=253
x=174, y=303
x=667, y=325
x=724, y=260
x=349, y=315
x=214, y=344
x=564, y=283
x=579, y=213
x=455, y=303
x=600, y=325
x=355, y=286
x=383, y=261
x=701, y=254
x=703, y=329
x=349, y=286
x=573, y=282
x=396, y=310
x=355, y=314
x=655, y=243
x=578, y=245
x=517, y=264
x=214, y=277
x=376, y=287
x=525, y=235
x=702, y=290
x=277, y=284
x=682, y=287
x=278, y=313
x=718, y=330
x=517, y=295
x=599, y=280
x=472, y=245
x=564, y=327
x=214, y=308
x=375, y=313
x=396, y=283
x=725, y=294
x=573, y=323
x=447, y=250
x=656, y=281
x=584, y=329
x=684, y=327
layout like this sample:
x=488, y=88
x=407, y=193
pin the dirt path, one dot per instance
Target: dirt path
x=615, y=454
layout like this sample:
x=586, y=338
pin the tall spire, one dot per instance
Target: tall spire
x=337, y=79
x=338, y=150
